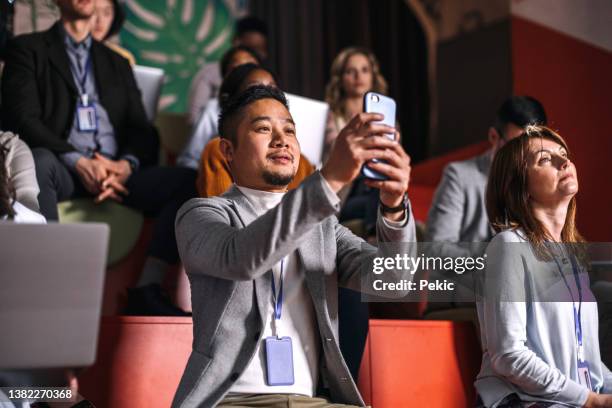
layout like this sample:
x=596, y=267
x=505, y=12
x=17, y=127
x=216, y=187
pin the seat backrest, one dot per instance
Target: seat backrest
x=420, y=363
x=139, y=363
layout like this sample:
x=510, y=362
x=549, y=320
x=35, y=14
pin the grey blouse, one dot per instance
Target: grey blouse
x=527, y=328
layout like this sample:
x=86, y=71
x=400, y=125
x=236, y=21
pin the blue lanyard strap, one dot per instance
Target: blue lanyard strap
x=577, y=313
x=278, y=301
x=83, y=78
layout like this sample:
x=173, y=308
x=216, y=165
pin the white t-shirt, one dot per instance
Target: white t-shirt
x=23, y=215
x=297, y=322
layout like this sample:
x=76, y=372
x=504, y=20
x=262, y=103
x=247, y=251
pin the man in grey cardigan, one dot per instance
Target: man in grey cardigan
x=264, y=264
x=457, y=221
x=458, y=213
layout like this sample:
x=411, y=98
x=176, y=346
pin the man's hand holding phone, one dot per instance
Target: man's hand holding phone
x=362, y=140
x=395, y=166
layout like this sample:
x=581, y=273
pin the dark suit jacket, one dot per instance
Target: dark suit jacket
x=39, y=95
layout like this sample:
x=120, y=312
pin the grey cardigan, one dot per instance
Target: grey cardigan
x=229, y=253
x=530, y=345
x=21, y=171
x=458, y=212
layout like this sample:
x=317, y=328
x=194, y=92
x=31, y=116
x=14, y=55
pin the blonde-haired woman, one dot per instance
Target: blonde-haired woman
x=538, y=317
x=354, y=72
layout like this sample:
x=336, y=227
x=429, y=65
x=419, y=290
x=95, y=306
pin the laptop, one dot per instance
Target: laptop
x=150, y=81
x=51, y=284
x=310, y=116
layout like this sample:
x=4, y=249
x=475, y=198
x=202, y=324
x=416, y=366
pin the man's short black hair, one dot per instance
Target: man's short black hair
x=230, y=112
x=249, y=24
x=521, y=111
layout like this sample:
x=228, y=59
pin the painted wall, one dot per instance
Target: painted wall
x=178, y=36
x=565, y=60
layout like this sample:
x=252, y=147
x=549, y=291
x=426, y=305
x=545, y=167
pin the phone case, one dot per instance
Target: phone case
x=376, y=103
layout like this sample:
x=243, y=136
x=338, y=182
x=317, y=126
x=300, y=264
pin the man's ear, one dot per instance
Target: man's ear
x=227, y=149
x=494, y=136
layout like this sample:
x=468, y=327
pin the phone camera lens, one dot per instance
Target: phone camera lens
x=375, y=98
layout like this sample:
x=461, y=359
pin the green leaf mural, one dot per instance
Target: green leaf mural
x=177, y=36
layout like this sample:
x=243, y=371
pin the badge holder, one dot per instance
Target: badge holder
x=279, y=350
x=87, y=118
x=584, y=372
x=279, y=361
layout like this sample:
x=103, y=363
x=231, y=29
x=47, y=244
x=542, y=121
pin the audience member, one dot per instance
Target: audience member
x=458, y=211
x=236, y=246
x=457, y=221
x=18, y=186
x=354, y=72
x=538, y=316
x=248, y=31
x=90, y=136
x=107, y=22
x=20, y=170
x=206, y=126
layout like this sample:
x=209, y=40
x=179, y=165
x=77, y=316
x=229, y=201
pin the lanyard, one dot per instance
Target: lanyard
x=278, y=301
x=578, y=312
x=83, y=79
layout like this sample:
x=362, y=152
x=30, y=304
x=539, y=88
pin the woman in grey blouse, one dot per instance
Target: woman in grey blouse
x=538, y=317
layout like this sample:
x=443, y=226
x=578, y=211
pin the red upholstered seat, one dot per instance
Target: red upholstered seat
x=429, y=172
x=407, y=363
x=420, y=363
x=426, y=175
x=139, y=363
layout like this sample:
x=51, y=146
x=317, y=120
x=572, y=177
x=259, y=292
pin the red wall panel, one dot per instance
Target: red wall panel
x=574, y=82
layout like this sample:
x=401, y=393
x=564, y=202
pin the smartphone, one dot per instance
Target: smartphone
x=376, y=103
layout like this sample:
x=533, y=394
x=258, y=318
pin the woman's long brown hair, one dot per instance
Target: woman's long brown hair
x=507, y=197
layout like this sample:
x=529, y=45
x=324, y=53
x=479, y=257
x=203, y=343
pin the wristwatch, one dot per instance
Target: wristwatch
x=133, y=163
x=391, y=210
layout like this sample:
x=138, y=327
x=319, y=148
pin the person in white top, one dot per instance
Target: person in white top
x=538, y=317
x=250, y=32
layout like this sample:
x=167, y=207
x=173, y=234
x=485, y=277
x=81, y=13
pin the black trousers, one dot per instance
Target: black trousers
x=156, y=191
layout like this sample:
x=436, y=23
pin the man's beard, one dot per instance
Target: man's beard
x=277, y=179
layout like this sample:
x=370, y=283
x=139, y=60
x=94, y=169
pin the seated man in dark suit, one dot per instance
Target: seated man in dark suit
x=76, y=103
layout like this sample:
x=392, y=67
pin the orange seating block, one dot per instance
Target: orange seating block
x=420, y=363
x=425, y=176
x=139, y=363
x=429, y=172
x=421, y=197
x=406, y=363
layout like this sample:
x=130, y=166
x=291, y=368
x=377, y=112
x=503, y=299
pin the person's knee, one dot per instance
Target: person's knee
x=45, y=161
x=187, y=179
